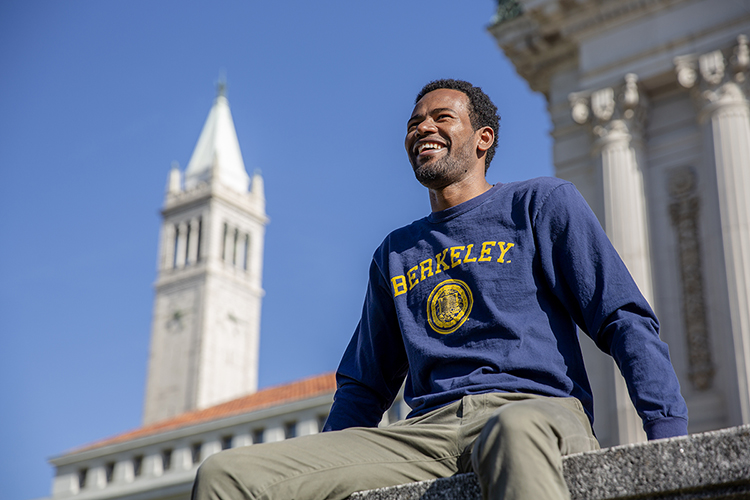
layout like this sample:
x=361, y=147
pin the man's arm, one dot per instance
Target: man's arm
x=588, y=276
x=374, y=363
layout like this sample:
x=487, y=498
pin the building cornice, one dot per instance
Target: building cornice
x=545, y=36
x=195, y=197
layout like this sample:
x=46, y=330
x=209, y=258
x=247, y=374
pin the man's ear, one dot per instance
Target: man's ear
x=486, y=139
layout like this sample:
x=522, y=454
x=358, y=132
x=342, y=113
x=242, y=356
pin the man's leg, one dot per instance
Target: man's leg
x=518, y=454
x=333, y=465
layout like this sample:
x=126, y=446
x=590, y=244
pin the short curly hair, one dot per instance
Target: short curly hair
x=482, y=112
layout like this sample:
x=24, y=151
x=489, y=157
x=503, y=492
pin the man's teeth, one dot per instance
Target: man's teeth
x=429, y=145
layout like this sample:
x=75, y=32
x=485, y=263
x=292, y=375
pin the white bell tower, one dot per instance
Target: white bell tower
x=206, y=320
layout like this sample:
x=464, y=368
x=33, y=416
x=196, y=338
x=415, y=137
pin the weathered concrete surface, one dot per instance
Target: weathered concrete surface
x=712, y=465
x=463, y=487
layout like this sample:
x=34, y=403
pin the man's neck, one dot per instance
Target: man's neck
x=457, y=193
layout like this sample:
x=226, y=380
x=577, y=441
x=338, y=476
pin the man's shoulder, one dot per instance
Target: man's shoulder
x=404, y=234
x=532, y=195
x=537, y=185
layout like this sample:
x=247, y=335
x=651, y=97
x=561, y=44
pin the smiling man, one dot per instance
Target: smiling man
x=475, y=309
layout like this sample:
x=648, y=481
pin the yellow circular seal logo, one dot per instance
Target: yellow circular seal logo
x=449, y=305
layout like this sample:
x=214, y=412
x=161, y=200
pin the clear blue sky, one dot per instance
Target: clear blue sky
x=97, y=98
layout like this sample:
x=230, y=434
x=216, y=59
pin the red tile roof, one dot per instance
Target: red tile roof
x=265, y=398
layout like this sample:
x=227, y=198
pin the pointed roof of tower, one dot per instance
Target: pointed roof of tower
x=217, y=156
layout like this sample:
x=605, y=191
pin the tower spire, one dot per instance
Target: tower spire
x=221, y=84
x=218, y=146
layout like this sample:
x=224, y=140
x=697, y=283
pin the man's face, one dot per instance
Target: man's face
x=440, y=141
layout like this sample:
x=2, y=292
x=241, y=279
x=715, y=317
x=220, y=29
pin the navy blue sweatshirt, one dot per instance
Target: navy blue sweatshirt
x=486, y=296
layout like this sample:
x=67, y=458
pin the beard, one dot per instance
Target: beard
x=444, y=171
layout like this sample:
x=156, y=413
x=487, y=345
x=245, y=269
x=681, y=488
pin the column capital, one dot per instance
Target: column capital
x=717, y=78
x=612, y=113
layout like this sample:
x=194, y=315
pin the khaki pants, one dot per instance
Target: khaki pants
x=514, y=443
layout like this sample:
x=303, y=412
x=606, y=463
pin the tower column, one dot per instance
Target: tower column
x=192, y=251
x=235, y=246
x=720, y=92
x=228, y=244
x=181, y=245
x=616, y=117
x=168, y=247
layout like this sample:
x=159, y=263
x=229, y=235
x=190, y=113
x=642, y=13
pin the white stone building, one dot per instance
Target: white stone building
x=649, y=107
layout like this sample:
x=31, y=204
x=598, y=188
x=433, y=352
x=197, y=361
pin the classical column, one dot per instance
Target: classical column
x=242, y=243
x=192, y=250
x=235, y=247
x=200, y=249
x=226, y=252
x=181, y=244
x=167, y=245
x=616, y=117
x=719, y=86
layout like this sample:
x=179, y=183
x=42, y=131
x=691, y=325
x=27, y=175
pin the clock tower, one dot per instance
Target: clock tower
x=206, y=320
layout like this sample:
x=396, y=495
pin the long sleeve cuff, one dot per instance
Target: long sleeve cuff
x=665, y=428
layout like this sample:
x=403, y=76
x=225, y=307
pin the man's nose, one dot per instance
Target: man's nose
x=426, y=127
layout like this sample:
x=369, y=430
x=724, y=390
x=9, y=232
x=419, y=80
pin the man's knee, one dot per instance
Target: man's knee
x=520, y=420
x=225, y=475
x=541, y=423
x=214, y=467
x=212, y=476
x=517, y=454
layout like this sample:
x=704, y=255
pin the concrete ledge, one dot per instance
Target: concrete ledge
x=711, y=465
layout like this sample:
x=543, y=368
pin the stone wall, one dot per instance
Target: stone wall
x=711, y=465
